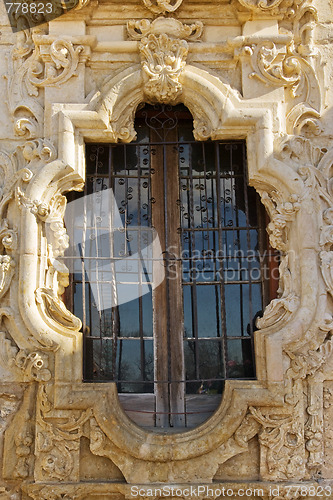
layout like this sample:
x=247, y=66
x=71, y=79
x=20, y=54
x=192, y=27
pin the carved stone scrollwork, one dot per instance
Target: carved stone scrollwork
x=273, y=7
x=53, y=308
x=62, y=62
x=36, y=153
x=8, y=236
x=162, y=6
x=57, y=443
x=26, y=109
x=36, y=67
x=286, y=66
x=34, y=365
x=281, y=213
x=282, y=443
x=163, y=60
x=174, y=28
x=31, y=365
x=300, y=152
x=305, y=22
x=163, y=50
x=282, y=308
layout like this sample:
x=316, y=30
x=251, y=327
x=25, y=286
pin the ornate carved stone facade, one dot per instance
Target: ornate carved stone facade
x=258, y=70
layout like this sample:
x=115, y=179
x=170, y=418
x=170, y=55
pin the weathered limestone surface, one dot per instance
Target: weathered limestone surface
x=260, y=70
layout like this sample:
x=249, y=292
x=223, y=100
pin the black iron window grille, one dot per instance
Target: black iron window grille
x=175, y=344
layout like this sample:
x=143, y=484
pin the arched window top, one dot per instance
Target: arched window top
x=170, y=347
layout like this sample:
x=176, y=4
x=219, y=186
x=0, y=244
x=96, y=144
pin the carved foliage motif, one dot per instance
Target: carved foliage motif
x=7, y=268
x=57, y=443
x=32, y=365
x=281, y=213
x=8, y=235
x=282, y=443
x=55, y=229
x=308, y=357
x=19, y=439
x=286, y=67
x=62, y=62
x=163, y=60
x=163, y=50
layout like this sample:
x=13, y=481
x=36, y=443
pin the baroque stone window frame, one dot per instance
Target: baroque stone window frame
x=218, y=113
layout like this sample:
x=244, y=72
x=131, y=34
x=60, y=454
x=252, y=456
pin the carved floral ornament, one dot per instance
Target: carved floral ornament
x=163, y=51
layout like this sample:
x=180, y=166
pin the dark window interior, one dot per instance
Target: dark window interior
x=170, y=348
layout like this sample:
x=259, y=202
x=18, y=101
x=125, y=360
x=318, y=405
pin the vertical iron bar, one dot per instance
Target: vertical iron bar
x=193, y=263
x=140, y=263
x=221, y=267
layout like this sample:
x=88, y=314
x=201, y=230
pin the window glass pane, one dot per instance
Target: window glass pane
x=203, y=362
x=240, y=362
x=185, y=131
x=187, y=303
x=129, y=324
x=103, y=359
x=210, y=359
x=135, y=364
x=78, y=302
x=208, y=311
x=97, y=161
x=147, y=313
